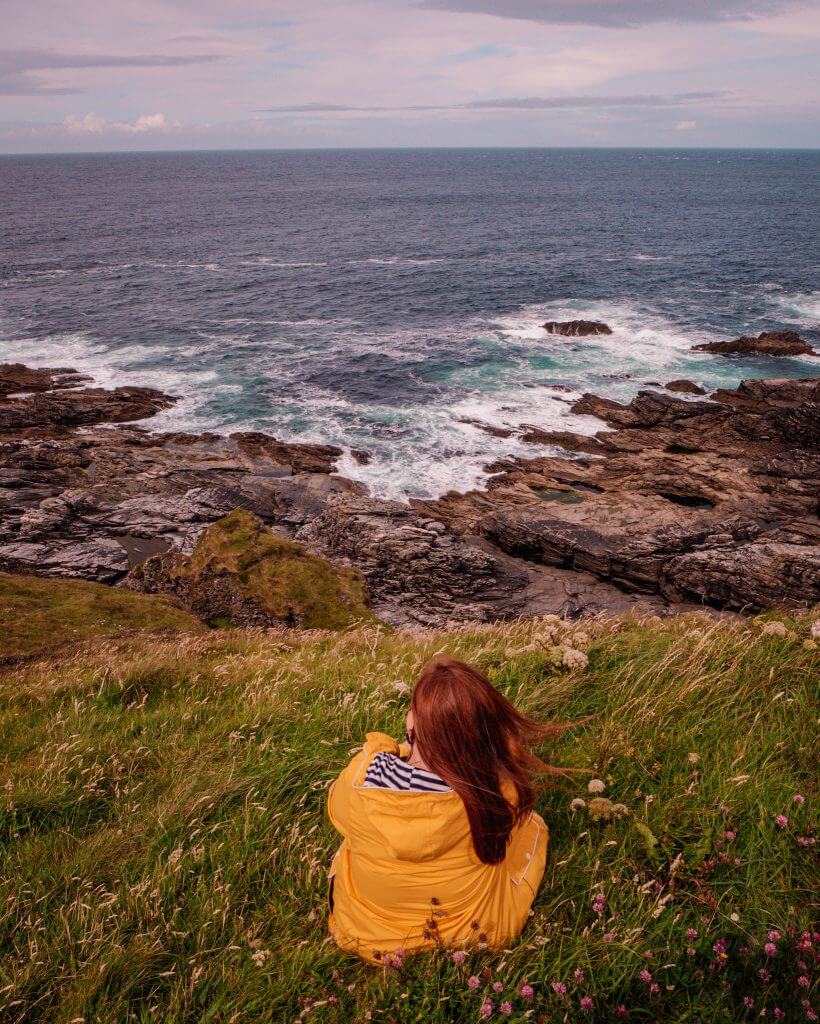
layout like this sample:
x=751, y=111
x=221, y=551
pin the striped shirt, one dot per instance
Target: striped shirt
x=386, y=771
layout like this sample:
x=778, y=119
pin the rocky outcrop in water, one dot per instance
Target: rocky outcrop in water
x=769, y=343
x=576, y=328
x=75, y=408
x=15, y=379
x=690, y=500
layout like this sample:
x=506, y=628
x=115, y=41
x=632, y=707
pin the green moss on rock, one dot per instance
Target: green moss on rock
x=244, y=574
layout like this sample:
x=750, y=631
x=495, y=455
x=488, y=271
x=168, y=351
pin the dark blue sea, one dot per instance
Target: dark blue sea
x=375, y=299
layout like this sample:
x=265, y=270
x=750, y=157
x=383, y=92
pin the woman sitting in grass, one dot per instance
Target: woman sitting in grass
x=441, y=845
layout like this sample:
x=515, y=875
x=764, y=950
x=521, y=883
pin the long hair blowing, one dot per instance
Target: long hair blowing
x=475, y=740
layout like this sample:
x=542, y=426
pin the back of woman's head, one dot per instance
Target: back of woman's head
x=474, y=739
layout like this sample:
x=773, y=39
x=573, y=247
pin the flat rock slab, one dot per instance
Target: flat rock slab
x=769, y=343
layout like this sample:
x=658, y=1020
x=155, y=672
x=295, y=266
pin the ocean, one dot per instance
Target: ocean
x=378, y=299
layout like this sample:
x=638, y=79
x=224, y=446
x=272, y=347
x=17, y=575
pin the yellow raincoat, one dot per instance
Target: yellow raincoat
x=406, y=876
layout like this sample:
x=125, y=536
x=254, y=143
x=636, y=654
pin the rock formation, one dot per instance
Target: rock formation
x=576, y=328
x=769, y=343
x=681, y=501
x=242, y=574
x=691, y=500
x=685, y=387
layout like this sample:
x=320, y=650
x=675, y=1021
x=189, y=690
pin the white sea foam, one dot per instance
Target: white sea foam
x=640, y=337
x=507, y=372
x=801, y=307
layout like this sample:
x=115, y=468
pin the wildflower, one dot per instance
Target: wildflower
x=620, y=810
x=799, y=798
x=486, y=974
x=574, y=659
x=781, y=821
x=779, y=1014
x=806, y=840
x=526, y=991
x=600, y=809
x=803, y=981
x=506, y=1008
x=810, y=1014
x=487, y=1009
x=586, y=1004
x=559, y=988
x=654, y=989
x=748, y=1002
x=578, y=974
x=459, y=956
x=577, y=804
x=770, y=949
x=691, y=951
x=622, y=1011
x=473, y=982
x=608, y=937
x=260, y=957
x=691, y=933
x=693, y=758
x=598, y=903
x=765, y=976
x=729, y=835
x=649, y=955
x=497, y=986
x=596, y=786
x=645, y=976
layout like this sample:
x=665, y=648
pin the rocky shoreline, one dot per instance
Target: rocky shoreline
x=675, y=503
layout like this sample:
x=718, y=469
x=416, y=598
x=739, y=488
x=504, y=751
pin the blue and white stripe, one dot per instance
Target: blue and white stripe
x=386, y=771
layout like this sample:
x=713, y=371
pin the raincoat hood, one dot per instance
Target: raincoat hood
x=408, y=826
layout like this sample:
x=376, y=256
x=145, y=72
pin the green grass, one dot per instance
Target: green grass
x=37, y=613
x=164, y=841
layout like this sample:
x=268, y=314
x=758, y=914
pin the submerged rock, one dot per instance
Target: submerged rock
x=576, y=328
x=242, y=574
x=769, y=343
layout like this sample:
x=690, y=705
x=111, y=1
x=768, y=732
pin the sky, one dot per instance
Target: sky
x=101, y=75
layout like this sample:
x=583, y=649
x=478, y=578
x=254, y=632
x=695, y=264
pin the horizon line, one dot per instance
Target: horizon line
x=376, y=149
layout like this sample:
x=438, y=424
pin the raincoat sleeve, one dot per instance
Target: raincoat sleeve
x=352, y=778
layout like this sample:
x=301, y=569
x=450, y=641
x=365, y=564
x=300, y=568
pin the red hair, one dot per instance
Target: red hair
x=478, y=743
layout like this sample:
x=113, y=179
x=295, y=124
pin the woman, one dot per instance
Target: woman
x=441, y=845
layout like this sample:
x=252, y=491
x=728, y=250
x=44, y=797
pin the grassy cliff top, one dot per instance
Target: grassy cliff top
x=37, y=613
x=164, y=843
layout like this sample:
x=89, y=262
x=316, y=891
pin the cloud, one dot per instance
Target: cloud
x=685, y=126
x=93, y=124
x=16, y=67
x=617, y=13
x=512, y=103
